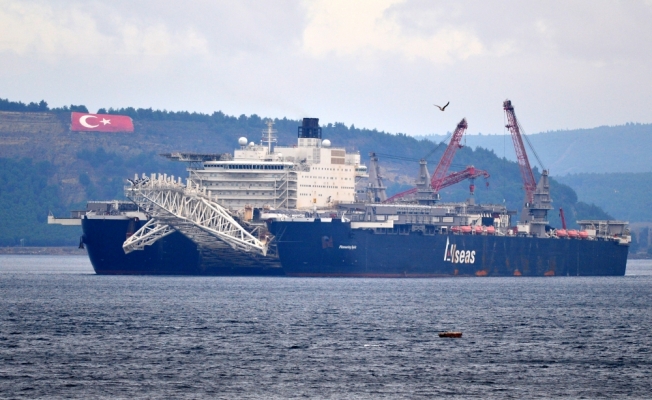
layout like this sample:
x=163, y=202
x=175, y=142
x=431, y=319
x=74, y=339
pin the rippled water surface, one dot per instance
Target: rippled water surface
x=65, y=332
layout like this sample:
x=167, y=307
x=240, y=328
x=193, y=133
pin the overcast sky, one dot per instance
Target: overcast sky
x=373, y=63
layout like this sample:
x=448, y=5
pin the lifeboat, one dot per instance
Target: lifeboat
x=450, y=334
x=584, y=235
x=561, y=233
x=478, y=230
x=491, y=230
x=455, y=229
x=465, y=229
x=573, y=234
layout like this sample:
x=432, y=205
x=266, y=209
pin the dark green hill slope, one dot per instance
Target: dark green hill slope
x=25, y=199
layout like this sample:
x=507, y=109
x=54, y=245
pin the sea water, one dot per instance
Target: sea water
x=66, y=332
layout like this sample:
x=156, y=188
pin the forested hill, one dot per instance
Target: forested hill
x=605, y=149
x=46, y=166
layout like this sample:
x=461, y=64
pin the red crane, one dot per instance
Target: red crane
x=563, y=218
x=444, y=164
x=523, y=163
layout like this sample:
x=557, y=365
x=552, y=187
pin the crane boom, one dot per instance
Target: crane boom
x=523, y=163
x=469, y=172
x=447, y=158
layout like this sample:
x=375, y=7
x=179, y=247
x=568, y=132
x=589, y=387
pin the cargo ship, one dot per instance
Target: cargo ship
x=314, y=210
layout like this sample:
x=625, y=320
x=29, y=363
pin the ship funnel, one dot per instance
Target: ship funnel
x=310, y=129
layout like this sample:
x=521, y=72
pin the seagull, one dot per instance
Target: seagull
x=442, y=108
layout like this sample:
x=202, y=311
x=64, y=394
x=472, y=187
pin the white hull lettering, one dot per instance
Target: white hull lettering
x=458, y=256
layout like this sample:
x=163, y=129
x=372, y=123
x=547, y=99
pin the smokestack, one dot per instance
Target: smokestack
x=310, y=129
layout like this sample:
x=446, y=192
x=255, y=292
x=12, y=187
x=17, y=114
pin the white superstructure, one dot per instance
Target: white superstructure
x=308, y=175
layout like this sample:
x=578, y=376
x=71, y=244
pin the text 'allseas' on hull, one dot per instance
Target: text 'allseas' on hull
x=334, y=249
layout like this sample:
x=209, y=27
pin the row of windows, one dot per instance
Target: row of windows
x=238, y=184
x=329, y=169
x=329, y=187
x=220, y=193
x=245, y=166
x=325, y=177
x=226, y=177
x=318, y=194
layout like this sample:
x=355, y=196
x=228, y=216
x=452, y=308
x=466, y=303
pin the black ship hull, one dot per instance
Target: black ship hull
x=334, y=249
x=174, y=254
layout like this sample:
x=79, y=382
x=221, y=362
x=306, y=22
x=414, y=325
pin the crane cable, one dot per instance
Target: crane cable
x=527, y=140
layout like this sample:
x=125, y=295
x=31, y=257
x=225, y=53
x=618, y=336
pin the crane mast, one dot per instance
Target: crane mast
x=447, y=158
x=523, y=163
x=534, y=217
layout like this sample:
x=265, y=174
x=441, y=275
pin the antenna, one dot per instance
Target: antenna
x=269, y=135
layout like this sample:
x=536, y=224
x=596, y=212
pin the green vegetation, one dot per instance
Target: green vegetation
x=42, y=106
x=113, y=169
x=25, y=199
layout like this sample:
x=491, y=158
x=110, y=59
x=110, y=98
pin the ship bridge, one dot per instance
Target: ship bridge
x=194, y=212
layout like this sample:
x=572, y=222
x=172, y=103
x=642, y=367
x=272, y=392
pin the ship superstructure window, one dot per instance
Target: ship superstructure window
x=255, y=166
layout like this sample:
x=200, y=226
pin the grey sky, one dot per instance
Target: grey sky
x=376, y=63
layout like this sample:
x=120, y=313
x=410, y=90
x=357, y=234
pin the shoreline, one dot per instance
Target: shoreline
x=45, y=251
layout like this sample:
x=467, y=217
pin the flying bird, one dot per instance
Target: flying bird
x=442, y=108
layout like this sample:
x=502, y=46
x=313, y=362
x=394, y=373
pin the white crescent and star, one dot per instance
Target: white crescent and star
x=85, y=123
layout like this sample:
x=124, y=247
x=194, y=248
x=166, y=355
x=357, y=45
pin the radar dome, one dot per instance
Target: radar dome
x=326, y=143
x=242, y=141
x=251, y=144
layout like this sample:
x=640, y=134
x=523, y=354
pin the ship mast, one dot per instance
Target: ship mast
x=269, y=135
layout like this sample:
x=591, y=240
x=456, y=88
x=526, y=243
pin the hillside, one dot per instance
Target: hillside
x=626, y=196
x=605, y=149
x=48, y=167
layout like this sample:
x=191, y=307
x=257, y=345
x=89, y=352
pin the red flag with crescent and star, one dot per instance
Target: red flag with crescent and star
x=100, y=123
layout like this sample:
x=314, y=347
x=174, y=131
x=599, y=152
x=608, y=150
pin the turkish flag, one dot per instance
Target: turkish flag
x=100, y=122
